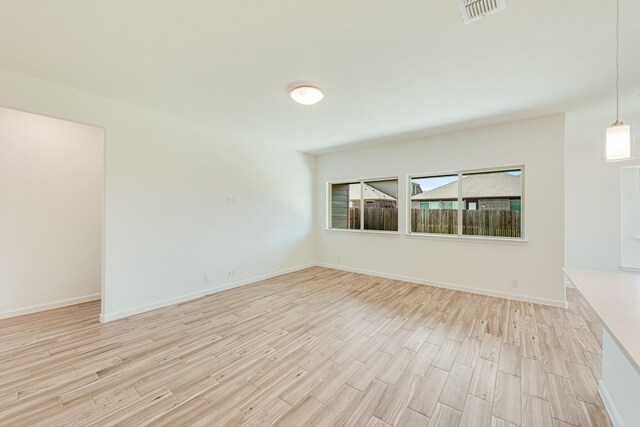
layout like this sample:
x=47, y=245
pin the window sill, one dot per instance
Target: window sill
x=469, y=239
x=374, y=232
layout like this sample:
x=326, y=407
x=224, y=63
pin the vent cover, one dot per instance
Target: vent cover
x=472, y=10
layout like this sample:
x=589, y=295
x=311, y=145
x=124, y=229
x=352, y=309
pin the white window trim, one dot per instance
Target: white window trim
x=467, y=237
x=379, y=232
x=361, y=181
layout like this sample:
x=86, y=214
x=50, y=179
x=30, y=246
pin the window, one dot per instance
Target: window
x=345, y=214
x=415, y=188
x=499, y=201
x=433, y=210
x=470, y=203
x=364, y=205
x=450, y=205
x=430, y=205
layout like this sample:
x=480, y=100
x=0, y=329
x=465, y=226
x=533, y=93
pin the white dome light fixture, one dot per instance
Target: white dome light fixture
x=306, y=94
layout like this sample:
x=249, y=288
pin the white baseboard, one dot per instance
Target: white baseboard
x=608, y=404
x=568, y=283
x=108, y=317
x=463, y=288
x=48, y=306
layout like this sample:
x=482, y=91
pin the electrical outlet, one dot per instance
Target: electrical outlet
x=206, y=279
x=232, y=200
x=232, y=273
x=515, y=283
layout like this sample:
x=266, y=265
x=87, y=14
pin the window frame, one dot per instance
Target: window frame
x=460, y=173
x=361, y=181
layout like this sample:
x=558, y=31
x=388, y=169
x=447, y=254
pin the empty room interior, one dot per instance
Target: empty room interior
x=320, y=213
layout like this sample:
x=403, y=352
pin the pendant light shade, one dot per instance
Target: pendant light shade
x=618, y=138
x=618, y=142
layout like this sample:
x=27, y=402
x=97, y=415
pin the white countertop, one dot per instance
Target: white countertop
x=615, y=298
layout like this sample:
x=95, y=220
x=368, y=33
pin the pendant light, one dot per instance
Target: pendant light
x=618, y=138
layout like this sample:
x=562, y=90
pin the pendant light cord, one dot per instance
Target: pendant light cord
x=617, y=61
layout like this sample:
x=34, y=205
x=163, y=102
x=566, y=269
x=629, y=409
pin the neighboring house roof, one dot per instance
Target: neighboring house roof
x=483, y=186
x=370, y=193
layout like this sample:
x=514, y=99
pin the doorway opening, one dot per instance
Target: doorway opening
x=51, y=213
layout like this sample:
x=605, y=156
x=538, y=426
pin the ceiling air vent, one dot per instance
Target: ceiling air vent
x=472, y=10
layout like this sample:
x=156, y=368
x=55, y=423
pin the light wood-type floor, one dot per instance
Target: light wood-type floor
x=315, y=347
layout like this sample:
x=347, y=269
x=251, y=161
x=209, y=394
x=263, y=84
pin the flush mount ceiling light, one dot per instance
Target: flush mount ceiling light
x=618, y=138
x=306, y=94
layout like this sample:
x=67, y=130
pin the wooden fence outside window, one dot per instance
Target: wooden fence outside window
x=494, y=223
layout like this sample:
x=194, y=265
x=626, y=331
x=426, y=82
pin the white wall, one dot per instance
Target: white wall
x=477, y=266
x=167, y=222
x=630, y=217
x=50, y=212
x=593, y=186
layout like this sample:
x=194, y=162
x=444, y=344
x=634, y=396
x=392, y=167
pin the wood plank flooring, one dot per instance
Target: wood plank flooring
x=315, y=347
